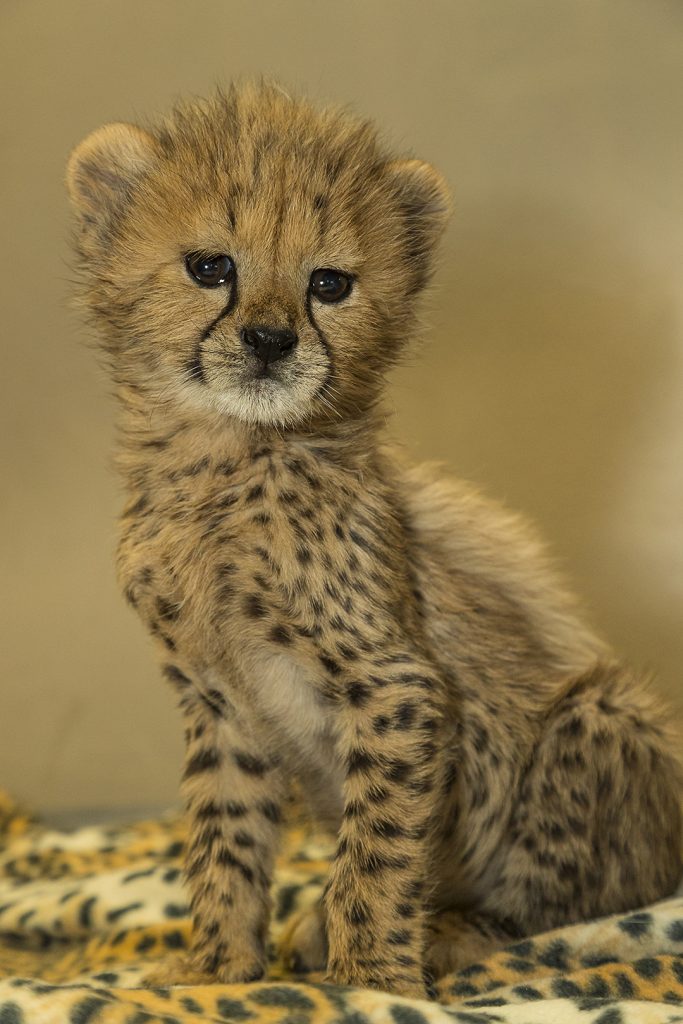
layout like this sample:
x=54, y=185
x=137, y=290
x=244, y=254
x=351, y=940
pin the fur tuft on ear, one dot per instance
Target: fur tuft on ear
x=425, y=204
x=423, y=190
x=103, y=169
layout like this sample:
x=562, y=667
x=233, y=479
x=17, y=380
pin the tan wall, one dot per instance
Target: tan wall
x=553, y=374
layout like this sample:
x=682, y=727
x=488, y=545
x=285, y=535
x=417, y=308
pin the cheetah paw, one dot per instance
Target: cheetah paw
x=303, y=947
x=189, y=970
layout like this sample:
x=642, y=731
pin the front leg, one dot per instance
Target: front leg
x=232, y=791
x=389, y=740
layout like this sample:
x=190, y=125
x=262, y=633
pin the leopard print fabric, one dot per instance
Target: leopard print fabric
x=84, y=914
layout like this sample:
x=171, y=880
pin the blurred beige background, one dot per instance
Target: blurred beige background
x=552, y=371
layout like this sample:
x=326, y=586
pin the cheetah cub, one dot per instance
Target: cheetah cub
x=394, y=641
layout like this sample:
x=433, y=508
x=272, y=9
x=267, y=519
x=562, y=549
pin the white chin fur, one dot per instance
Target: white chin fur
x=264, y=401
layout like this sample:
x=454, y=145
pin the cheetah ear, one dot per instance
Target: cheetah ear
x=425, y=204
x=423, y=193
x=103, y=170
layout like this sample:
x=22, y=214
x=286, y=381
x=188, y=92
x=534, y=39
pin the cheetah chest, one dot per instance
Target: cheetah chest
x=298, y=719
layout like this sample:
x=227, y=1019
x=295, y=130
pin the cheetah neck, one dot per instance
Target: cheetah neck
x=157, y=436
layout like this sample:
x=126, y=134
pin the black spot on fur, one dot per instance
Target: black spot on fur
x=249, y=764
x=359, y=760
x=625, y=987
x=192, y=470
x=228, y=859
x=520, y=965
x=114, y=915
x=480, y=737
x=286, y=900
x=226, y=501
x=232, y=1009
x=235, y=809
x=283, y=995
x=358, y=913
x=404, y=716
x=167, y=610
x=353, y=808
x=203, y=761
x=330, y=664
x=173, y=675
x=85, y=1010
x=270, y=811
x=174, y=940
x=527, y=992
x=281, y=635
x=388, y=829
x=398, y=770
x=573, y=727
x=638, y=924
x=371, y=862
x=555, y=955
x=215, y=702
x=406, y=910
x=303, y=555
x=138, y=506
x=191, y=1005
x=207, y=811
x=403, y=1014
x=254, y=606
x=254, y=493
x=357, y=694
x=146, y=943
x=648, y=967
x=134, y=875
x=85, y=912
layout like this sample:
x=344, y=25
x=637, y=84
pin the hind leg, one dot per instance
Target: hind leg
x=596, y=828
x=457, y=938
x=452, y=940
x=591, y=828
x=303, y=946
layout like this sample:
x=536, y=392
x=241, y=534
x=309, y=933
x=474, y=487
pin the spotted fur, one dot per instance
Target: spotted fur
x=397, y=643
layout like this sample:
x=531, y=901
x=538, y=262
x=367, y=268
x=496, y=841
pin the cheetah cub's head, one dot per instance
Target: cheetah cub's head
x=253, y=255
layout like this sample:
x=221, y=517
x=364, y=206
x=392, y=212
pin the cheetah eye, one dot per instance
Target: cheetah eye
x=209, y=271
x=330, y=285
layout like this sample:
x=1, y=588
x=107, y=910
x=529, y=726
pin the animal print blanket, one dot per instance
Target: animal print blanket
x=83, y=914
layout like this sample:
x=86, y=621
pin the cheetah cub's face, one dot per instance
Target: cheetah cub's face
x=253, y=255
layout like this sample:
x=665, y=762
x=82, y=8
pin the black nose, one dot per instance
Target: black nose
x=269, y=343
